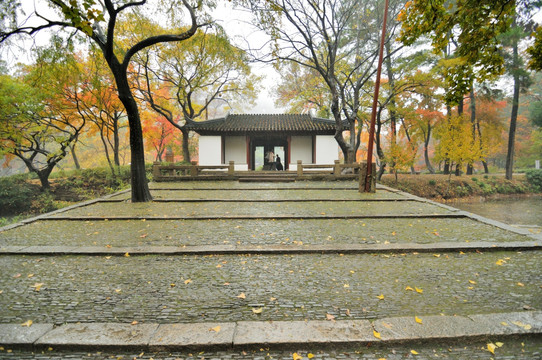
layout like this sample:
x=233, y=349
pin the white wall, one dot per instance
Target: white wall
x=210, y=150
x=235, y=149
x=327, y=149
x=300, y=149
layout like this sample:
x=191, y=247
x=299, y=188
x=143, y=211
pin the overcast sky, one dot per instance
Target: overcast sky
x=238, y=27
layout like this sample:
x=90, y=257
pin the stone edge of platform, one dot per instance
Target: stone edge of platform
x=276, y=334
x=271, y=249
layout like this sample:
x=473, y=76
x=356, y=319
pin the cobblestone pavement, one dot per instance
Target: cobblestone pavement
x=267, y=194
x=254, y=231
x=527, y=348
x=293, y=287
x=269, y=209
x=60, y=289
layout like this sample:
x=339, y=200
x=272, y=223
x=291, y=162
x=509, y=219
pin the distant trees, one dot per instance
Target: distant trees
x=98, y=20
x=179, y=81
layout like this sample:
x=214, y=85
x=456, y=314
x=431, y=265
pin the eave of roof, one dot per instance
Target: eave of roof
x=265, y=123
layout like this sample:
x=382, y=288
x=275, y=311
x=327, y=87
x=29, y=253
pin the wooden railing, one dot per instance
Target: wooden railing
x=166, y=172
x=161, y=172
x=337, y=169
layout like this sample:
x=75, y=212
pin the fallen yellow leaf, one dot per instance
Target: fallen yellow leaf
x=134, y=322
x=376, y=334
x=381, y=296
x=436, y=255
x=500, y=262
x=409, y=288
x=346, y=286
x=499, y=344
x=272, y=299
x=420, y=291
x=188, y=281
x=310, y=355
x=418, y=320
x=127, y=255
x=257, y=311
x=37, y=286
x=491, y=348
x=472, y=281
x=413, y=352
x=215, y=329
x=330, y=317
x=242, y=296
x=521, y=284
x=27, y=323
x=296, y=356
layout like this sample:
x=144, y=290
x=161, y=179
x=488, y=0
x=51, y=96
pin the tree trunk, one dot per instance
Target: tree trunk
x=379, y=150
x=186, y=150
x=470, y=167
x=391, y=108
x=140, y=187
x=426, y=150
x=486, y=169
x=514, y=116
x=116, y=141
x=75, y=159
x=43, y=175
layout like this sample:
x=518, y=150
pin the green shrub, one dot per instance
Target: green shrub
x=475, y=179
x=534, y=178
x=16, y=194
x=432, y=182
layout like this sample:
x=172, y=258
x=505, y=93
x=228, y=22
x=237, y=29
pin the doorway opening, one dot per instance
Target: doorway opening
x=262, y=146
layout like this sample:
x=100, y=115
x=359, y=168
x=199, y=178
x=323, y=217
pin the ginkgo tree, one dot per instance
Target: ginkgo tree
x=98, y=20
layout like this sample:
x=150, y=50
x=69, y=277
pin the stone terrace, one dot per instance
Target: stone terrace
x=227, y=267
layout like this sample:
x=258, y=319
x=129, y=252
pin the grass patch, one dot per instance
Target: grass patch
x=442, y=187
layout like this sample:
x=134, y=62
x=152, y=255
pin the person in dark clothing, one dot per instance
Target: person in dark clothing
x=278, y=164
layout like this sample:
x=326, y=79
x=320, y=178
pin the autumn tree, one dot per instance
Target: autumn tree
x=39, y=120
x=98, y=21
x=102, y=108
x=180, y=80
x=159, y=134
x=475, y=29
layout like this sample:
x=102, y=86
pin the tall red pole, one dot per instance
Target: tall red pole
x=370, y=144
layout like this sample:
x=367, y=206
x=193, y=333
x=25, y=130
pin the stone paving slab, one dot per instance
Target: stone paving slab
x=286, y=333
x=198, y=335
x=278, y=334
x=98, y=335
x=270, y=249
x=15, y=334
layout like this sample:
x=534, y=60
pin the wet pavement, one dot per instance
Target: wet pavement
x=55, y=288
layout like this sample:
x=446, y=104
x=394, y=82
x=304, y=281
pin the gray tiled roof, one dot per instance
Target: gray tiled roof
x=258, y=123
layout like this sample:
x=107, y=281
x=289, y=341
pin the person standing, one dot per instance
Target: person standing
x=271, y=159
x=278, y=164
